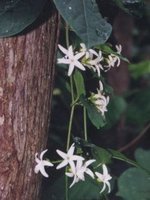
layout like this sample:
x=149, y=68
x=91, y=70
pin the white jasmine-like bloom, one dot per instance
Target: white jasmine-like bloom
x=95, y=64
x=104, y=178
x=41, y=164
x=79, y=170
x=69, y=158
x=71, y=59
x=87, y=52
x=113, y=59
x=99, y=100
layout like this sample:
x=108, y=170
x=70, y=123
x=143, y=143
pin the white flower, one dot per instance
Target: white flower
x=71, y=59
x=99, y=100
x=113, y=59
x=41, y=164
x=104, y=178
x=95, y=64
x=69, y=158
x=87, y=52
x=79, y=170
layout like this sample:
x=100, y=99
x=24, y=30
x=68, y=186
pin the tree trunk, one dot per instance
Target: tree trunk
x=26, y=81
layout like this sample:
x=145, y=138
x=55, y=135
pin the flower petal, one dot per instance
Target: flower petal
x=71, y=150
x=71, y=68
x=42, y=154
x=79, y=65
x=65, y=51
x=62, y=164
x=89, y=172
x=62, y=154
x=47, y=163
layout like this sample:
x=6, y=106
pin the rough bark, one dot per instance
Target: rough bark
x=26, y=80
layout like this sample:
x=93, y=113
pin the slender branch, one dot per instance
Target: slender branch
x=85, y=123
x=130, y=144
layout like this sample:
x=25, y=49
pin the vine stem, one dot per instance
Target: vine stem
x=85, y=123
x=130, y=144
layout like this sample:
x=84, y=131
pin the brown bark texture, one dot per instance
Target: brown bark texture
x=26, y=80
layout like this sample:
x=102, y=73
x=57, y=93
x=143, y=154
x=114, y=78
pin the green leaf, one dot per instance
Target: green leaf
x=140, y=69
x=119, y=156
x=143, y=158
x=79, y=83
x=15, y=16
x=84, y=18
x=101, y=155
x=86, y=190
x=134, y=183
x=95, y=117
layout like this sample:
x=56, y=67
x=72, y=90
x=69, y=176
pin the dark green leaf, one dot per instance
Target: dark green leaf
x=119, y=156
x=95, y=117
x=17, y=15
x=79, y=83
x=101, y=155
x=134, y=184
x=143, y=158
x=84, y=18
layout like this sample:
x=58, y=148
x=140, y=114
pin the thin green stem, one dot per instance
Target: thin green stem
x=70, y=126
x=66, y=185
x=85, y=123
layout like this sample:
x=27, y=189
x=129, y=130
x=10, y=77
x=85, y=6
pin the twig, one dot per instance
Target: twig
x=130, y=144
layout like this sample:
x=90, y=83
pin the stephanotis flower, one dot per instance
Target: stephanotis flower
x=71, y=59
x=94, y=63
x=99, y=100
x=79, y=171
x=104, y=178
x=113, y=59
x=41, y=164
x=69, y=158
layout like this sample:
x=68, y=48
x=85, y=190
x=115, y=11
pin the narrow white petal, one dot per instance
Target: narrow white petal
x=79, y=55
x=36, y=158
x=65, y=51
x=43, y=172
x=72, y=166
x=63, y=61
x=71, y=150
x=42, y=154
x=76, y=157
x=75, y=180
x=79, y=65
x=89, y=162
x=69, y=174
x=47, y=163
x=36, y=169
x=103, y=188
x=70, y=52
x=71, y=68
x=99, y=175
x=62, y=154
x=108, y=184
x=89, y=172
x=62, y=164
x=105, y=171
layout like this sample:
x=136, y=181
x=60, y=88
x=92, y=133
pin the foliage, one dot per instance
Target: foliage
x=16, y=15
x=134, y=183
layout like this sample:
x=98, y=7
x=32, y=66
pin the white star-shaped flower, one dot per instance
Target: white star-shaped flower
x=41, y=164
x=79, y=170
x=104, y=178
x=95, y=64
x=69, y=158
x=99, y=100
x=71, y=59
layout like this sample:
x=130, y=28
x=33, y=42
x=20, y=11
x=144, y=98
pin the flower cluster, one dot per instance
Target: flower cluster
x=100, y=100
x=77, y=167
x=88, y=58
